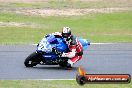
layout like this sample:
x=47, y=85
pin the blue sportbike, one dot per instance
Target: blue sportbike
x=48, y=49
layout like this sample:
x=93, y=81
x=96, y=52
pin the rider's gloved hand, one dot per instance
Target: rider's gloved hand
x=64, y=55
x=57, y=52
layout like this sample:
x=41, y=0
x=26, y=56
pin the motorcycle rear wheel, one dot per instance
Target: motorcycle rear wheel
x=64, y=63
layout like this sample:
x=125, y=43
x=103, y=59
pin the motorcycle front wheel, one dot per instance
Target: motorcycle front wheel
x=32, y=60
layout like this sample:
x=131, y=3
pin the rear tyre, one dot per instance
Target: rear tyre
x=32, y=60
x=63, y=63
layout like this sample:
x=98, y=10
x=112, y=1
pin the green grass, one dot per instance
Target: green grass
x=55, y=84
x=97, y=27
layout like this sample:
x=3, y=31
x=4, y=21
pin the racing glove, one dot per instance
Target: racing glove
x=57, y=52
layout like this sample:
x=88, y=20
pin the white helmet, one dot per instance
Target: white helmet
x=66, y=32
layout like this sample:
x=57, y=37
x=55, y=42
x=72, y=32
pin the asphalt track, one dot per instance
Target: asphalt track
x=101, y=58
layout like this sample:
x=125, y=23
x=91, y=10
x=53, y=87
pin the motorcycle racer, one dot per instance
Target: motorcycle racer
x=75, y=48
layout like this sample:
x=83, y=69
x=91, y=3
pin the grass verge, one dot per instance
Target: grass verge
x=97, y=27
x=55, y=84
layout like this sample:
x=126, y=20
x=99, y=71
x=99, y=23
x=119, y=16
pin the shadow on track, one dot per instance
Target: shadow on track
x=53, y=68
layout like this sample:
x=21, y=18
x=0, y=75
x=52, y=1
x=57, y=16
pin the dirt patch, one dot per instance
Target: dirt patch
x=16, y=24
x=69, y=12
x=23, y=1
x=51, y=7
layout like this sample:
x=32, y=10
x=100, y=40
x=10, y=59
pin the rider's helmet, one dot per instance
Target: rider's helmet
x=66, y=33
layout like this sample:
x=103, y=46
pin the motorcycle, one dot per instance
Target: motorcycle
x=48, y=51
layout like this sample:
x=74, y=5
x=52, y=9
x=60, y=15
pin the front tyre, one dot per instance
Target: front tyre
x=32, y=60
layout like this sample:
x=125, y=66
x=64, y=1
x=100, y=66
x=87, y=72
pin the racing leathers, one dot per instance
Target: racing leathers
x=75, y=49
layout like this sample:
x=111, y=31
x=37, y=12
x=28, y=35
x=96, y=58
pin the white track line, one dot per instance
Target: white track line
x=34, y=44
x=91, y=44
x=101, y=43
x=51, y=79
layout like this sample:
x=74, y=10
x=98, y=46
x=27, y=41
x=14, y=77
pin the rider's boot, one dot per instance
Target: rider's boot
x=68, y=66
